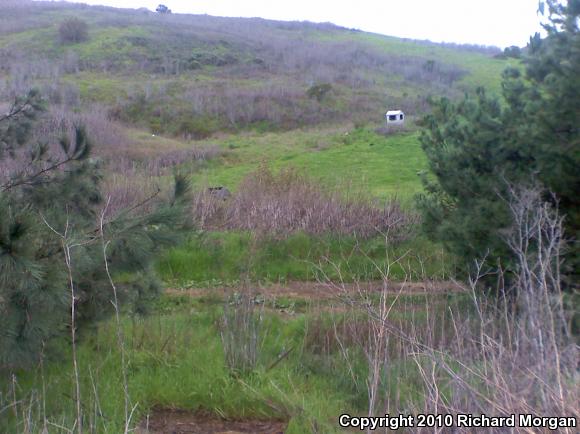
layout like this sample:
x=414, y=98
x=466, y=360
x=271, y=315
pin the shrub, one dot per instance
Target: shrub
x=200, y=127
x=106, y=135
x=277, y=205
x=513, y=51
x=318, y=91
x=162, y=9
x=73, y=30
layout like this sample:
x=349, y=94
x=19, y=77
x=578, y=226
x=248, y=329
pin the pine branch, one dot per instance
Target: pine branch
x=31, y=178
x=16, y=109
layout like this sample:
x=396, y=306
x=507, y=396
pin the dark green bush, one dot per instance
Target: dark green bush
x=73, y=30
x=318, y=91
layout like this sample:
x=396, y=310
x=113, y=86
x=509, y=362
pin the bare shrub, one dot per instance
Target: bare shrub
x=130, y=180
x=67, y=95
x=130, y=189
x=240, y=333
x=284, y=105
x=498, y=356
x=60, y=120
x=161, y=163
x=158, y=165
x=207, y=211
x=281, y=204
x=524, y=359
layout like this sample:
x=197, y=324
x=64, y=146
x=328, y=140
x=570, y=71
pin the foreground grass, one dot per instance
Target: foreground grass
x=223, y=257
x=175, y=359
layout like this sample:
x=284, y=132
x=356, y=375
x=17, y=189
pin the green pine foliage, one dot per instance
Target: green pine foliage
x=479, y=146
x=553, y=105
x=467, y=148
x=52, y=206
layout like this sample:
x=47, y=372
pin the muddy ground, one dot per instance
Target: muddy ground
x=172, y=421
x=329, y=291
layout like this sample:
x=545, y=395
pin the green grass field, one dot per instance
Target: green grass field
x=219, y=258
x=360, y=160
x=176, y=360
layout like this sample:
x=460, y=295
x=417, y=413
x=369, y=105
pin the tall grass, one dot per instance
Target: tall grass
x=368, y=352
x=241, y=332
x=173, y=361
x=217, y=258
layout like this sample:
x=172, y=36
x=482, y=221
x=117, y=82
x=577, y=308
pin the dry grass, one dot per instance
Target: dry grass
x=499, y=356
x=279, y=205
x=106, y=136
x=240, y=332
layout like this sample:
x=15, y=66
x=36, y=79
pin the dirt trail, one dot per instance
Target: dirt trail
x=325, y=291
x=170, y=421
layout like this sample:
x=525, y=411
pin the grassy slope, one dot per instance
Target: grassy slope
x=359, y=159
x=379, y=166
x=483, y=70
x=113, y=35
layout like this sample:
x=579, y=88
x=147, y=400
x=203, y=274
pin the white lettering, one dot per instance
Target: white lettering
x=552, y=423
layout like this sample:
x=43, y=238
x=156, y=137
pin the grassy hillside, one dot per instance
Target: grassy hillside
x=218, y=98
x=359, y=159
x=191, y=76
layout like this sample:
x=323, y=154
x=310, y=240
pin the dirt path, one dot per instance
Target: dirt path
x=170, y=421
x=325, y=291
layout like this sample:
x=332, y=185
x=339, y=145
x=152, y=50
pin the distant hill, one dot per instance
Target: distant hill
x=193, y=75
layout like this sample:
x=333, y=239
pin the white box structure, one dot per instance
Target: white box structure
x=395, y=117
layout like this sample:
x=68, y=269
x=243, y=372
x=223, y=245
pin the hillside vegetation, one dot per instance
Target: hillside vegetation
x=206, y=226
x=227, y=101
x=192, y=77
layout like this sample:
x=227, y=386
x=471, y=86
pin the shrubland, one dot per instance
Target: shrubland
x=193, y=76
x=364, y=350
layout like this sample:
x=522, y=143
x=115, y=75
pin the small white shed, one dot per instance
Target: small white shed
x=395, y=117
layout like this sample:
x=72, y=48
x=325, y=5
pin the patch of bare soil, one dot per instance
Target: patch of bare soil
x=172, y=421
x=326, y=291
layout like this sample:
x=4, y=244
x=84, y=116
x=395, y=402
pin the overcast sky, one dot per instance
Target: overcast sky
x=489, y=22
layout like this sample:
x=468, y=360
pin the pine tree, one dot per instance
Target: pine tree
x=53, y=204
x=482, y=144
x=553, y=106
